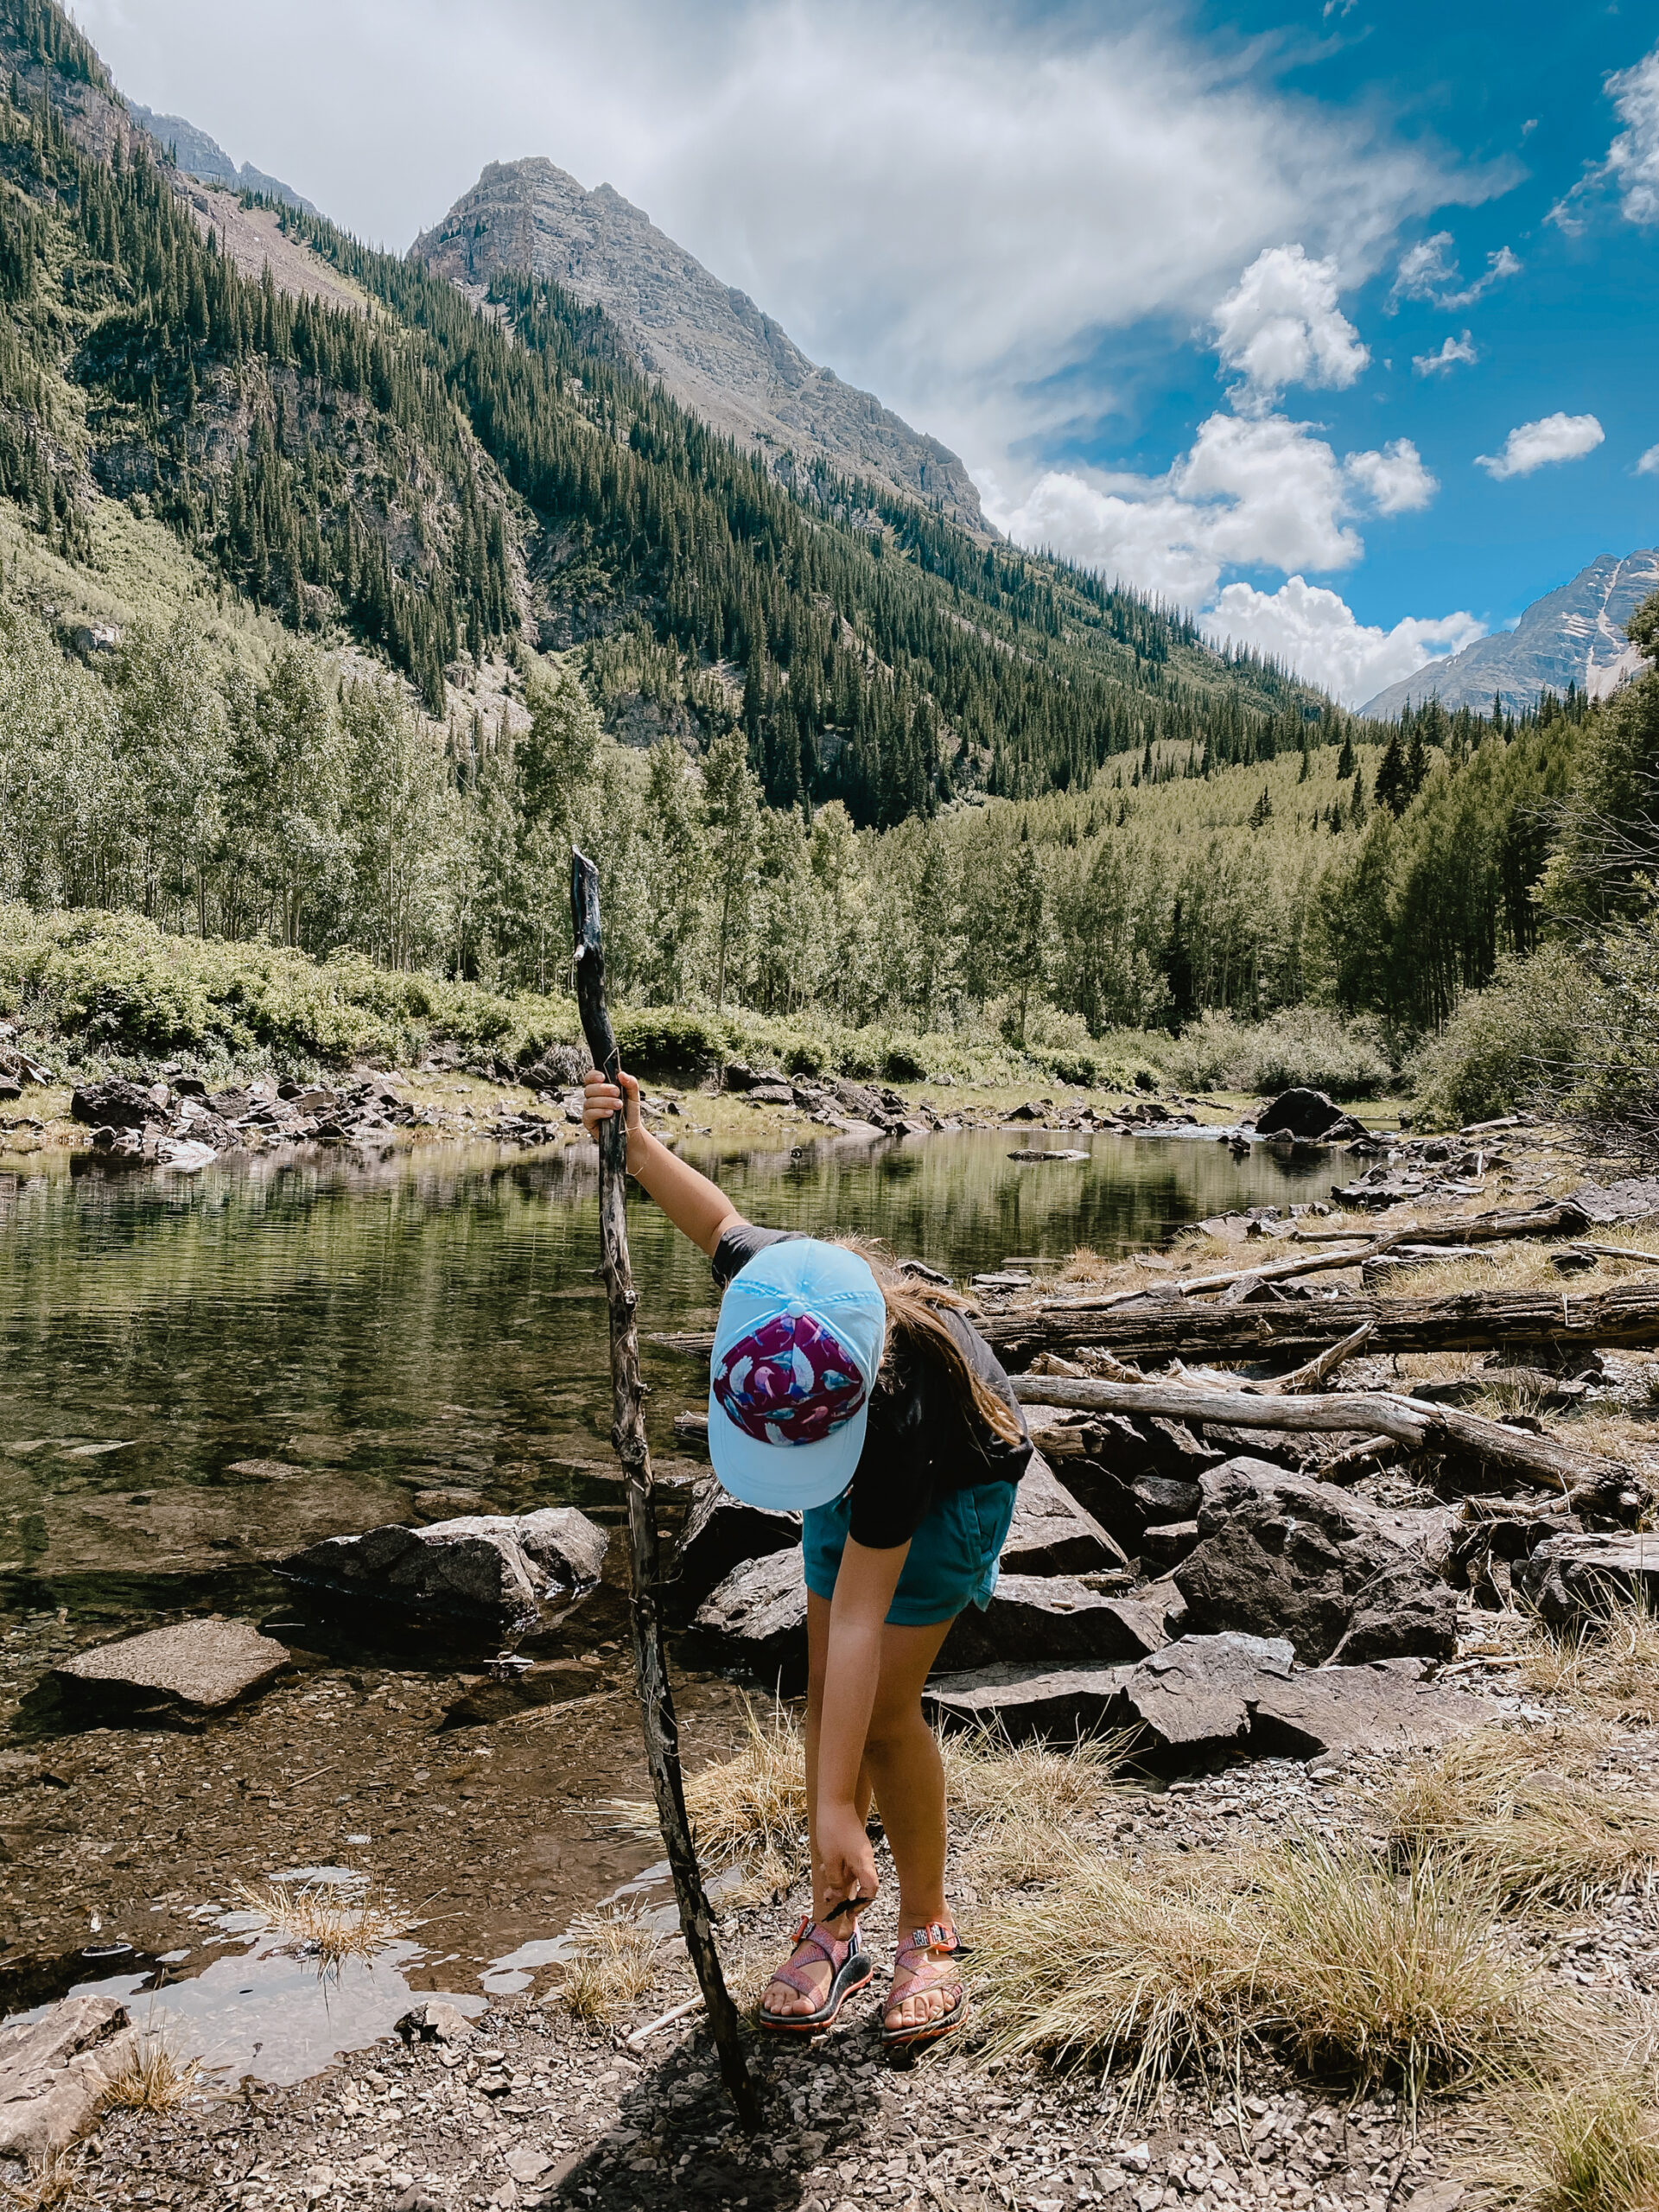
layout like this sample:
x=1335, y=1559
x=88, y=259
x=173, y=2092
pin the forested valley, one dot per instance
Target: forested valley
x=450, y=586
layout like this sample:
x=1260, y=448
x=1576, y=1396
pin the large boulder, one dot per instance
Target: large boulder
x=185, y=1672
x=721, y=1534
x=1210, y=1695
x=55, y=2071
x=1281, y=1554
x=118, y=1105
x=1300, y=1112
x=1054, y=1618
x=1050, y=1532
x=756, y=1620
x=490, y=1570
x=1573, y=1579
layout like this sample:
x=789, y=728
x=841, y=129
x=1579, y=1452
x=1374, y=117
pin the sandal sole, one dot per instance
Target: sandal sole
x=807, y=2024
x=907, y=2038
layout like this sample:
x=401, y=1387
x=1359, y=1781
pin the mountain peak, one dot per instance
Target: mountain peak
x=709, y=344
x=1574, y=634
x=204, y=158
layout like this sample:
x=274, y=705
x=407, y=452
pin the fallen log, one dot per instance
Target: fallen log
x=1158, y=1329
x=1563, y=1219
x=1601, y=1486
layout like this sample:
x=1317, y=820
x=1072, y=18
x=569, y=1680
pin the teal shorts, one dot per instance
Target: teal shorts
x=952, y=1558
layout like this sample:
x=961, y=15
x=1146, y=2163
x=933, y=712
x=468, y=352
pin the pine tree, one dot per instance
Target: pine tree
x=1261, y=812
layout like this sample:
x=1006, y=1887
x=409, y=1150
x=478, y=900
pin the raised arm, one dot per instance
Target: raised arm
x=698, y=1207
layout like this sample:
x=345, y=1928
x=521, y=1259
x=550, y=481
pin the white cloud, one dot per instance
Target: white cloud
x=1648, y=464
x=1281, y=325
x=1315, y=633
x=1428, y=270
x=1254, y=491
x=1630, y=167
x=1499, y=265
x=1394, y=480
x=1452, y=352
x=950, y=205
x=1535, y=445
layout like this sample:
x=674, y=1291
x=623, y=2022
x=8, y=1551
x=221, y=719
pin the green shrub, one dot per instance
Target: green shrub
x=1513, y=1045
x=1299, y=1044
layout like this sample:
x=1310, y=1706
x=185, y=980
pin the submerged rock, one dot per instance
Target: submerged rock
x=191, y=1669
x=55, y=2072
x=493, y=1569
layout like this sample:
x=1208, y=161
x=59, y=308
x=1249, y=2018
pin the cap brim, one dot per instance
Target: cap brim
x=783, y=1477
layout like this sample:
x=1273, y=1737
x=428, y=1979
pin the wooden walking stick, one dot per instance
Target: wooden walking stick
x=628, y=1435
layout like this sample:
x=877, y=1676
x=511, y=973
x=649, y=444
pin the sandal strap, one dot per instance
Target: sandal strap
x=814, y=1935
x=934, y=1937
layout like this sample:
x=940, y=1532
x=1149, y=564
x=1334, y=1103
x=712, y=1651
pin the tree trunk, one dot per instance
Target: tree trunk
x=628, y=1436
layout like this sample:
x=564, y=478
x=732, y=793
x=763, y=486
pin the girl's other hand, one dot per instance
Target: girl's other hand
x=600, y=1100
x=846, y=1858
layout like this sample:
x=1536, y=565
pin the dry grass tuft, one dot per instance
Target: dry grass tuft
x=613, y=1966
x=52, y=2180
x=154, y=2079
x=1401, y=1979
x=1175, y=1962
x=324, y=1923
x=1610, y=1666
x=1510, y=1811
x=1585, y=2145
x=753, y=1803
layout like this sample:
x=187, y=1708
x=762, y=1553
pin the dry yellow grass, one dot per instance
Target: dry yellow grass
x=1511, y=1811
x=1610, y=1666
x=52, y=2180
x=1394, y=1979
x=613, y=1967
x=752, y=1804
x=1588, y=2145
x=323, y=1922
x=154, y=2079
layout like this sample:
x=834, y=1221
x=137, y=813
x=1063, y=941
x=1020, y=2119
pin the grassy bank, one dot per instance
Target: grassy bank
x=112, y=987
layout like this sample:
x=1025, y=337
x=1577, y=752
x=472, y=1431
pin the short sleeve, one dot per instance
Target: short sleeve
x=739, y=1244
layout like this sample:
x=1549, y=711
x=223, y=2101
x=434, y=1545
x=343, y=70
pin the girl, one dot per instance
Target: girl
x=864, y=1399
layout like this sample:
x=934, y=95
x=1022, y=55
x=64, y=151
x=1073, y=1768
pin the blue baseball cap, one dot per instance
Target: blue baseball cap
x=802, y=1330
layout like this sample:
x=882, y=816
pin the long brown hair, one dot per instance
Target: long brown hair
x=916, y=1312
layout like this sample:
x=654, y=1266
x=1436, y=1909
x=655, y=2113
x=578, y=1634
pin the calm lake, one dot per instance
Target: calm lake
x=430, y=1323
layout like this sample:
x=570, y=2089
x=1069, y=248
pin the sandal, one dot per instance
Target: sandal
x=927, y=1948
x=850, y=1967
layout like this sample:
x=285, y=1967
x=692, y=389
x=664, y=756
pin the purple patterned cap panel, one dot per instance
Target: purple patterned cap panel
x=788, y=1381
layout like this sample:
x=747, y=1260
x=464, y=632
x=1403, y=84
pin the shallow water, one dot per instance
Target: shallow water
x=200, y=1374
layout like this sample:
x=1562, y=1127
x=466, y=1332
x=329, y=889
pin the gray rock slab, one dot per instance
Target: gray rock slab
x=1056, y=1703
x=54, y=2070
x=192, y=1669
x=1577, y=1577
x=435, y=2021
x=1050, y=1532
x=721, y=1534
x=1202, y=1692
x=1054, y=1618
x=757, y=1618
x=1388, y=1706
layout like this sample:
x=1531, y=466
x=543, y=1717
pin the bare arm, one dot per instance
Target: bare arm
x=864, y=1588
x=698, y=1207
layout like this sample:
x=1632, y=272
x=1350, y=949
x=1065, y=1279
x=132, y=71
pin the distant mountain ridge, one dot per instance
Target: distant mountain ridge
x=1573, y=635
x=707, y=344
x=199, y=156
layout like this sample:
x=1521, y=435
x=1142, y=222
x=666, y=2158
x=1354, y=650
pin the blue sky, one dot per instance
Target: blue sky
x=1169, y=280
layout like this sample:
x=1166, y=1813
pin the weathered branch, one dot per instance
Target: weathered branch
x=1514, y=1453
x=1561, y=1218
x=628, y=1435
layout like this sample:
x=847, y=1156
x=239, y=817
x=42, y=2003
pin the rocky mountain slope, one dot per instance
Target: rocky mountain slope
x=201, y=156
x=707, y=344
x=1575, y=635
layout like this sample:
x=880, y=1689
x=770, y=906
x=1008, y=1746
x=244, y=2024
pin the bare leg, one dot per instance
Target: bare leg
x=902, y=1767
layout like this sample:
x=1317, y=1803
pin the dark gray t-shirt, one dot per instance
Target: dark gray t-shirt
x=921, y=1444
